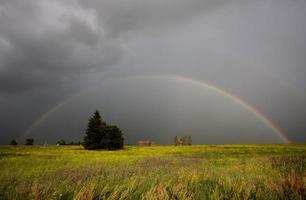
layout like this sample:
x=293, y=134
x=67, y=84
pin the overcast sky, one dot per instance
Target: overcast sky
x=61, y=60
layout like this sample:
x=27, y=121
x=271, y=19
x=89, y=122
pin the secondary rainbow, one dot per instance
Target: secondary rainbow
x=266, y=120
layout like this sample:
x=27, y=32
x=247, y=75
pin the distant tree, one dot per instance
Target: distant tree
x=29, y=141
x=184, y=139
x=14, y=142
x=189, y=141
x=175, y=140
x=61, y=142
x=99, y=135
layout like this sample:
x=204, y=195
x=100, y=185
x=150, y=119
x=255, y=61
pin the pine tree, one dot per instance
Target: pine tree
x=94, y=132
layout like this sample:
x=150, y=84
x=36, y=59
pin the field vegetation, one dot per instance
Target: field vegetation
x=159, y=172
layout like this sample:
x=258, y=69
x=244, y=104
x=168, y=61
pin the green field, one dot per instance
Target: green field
x=160, y=172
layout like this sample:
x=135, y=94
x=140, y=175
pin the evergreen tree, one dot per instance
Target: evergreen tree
x=13, y=142
x=94, y=132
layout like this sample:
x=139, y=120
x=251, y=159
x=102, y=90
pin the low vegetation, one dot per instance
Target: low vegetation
x=159, y=172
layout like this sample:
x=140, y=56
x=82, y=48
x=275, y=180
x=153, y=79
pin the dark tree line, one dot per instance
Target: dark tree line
x=100, y=135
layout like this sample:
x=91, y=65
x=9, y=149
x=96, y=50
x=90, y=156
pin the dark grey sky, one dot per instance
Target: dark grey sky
x=78, y=56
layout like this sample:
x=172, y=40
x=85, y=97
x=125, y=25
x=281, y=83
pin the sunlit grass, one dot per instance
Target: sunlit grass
x=160, y=172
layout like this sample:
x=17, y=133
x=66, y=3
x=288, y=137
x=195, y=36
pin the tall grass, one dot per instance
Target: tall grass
x=161, y=172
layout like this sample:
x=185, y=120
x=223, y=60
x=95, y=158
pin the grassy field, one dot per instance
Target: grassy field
x=161, y=172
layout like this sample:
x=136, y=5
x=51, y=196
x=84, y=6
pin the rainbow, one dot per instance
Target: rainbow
x=266, y=120
x=235, y=99
x=47, y=114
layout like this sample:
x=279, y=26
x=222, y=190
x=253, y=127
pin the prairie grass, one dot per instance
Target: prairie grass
x=159, y=172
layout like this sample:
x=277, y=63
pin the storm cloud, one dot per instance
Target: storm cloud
x=45, y=43
x=52, y=50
